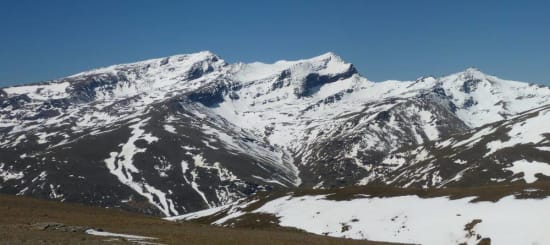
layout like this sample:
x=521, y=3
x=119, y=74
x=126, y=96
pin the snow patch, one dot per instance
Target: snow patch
x=530, y=169
x=133, y=238
x=170, y=128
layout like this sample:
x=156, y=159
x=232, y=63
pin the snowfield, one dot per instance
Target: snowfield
x=410, y=219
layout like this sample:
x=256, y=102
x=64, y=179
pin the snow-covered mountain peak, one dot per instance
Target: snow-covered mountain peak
x=325, y=64
x=426, y=79
x=481, y=98
x=472, y=70
x=469, y=74
x=170, y=63
x=328, y=57
x=328, y=63
x=473, y=74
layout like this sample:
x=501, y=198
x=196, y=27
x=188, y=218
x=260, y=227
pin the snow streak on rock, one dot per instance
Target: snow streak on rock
x=120, y=164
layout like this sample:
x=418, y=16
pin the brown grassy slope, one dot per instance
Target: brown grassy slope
x=17, y=213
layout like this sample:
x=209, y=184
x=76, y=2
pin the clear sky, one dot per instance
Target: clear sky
x=386, y=39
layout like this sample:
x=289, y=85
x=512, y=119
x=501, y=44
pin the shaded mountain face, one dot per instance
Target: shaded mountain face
x=183, y=133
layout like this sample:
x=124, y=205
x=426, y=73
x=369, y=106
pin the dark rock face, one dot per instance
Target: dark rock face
x=56, y=103
x=452, y=107
x=43, y=114
x=332, y=98
x=210, y=95
x=469, y=102
x=280, y=82
x=199, y=71
x=164, y=61
x=314, y=81
x=439, y=91
x=15, y=102
x=383, y=116
x=85, y=89
x=470, y=85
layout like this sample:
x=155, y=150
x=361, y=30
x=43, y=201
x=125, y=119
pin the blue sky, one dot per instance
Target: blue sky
x=42, y=40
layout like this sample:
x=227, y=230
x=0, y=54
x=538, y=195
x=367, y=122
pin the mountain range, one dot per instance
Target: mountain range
x=184, y=133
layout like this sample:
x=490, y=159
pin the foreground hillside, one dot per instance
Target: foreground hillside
x=22, y=219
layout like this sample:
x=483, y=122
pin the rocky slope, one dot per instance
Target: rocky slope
x=514, y=150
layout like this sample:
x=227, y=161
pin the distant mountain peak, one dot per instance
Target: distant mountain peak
x=472, y=69
x=329, y=56
x=473, y=72
x=179, y=60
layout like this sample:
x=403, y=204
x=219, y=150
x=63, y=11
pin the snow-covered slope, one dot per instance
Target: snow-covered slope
x=188, y=132
x=514, y=150
x=406, y=218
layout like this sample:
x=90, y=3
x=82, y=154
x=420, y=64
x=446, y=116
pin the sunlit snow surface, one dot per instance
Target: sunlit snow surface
x=411, y=219
x=529, y=131
x=131, y=238
x=530, y=169
x=41, y=92
x=7, y=174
